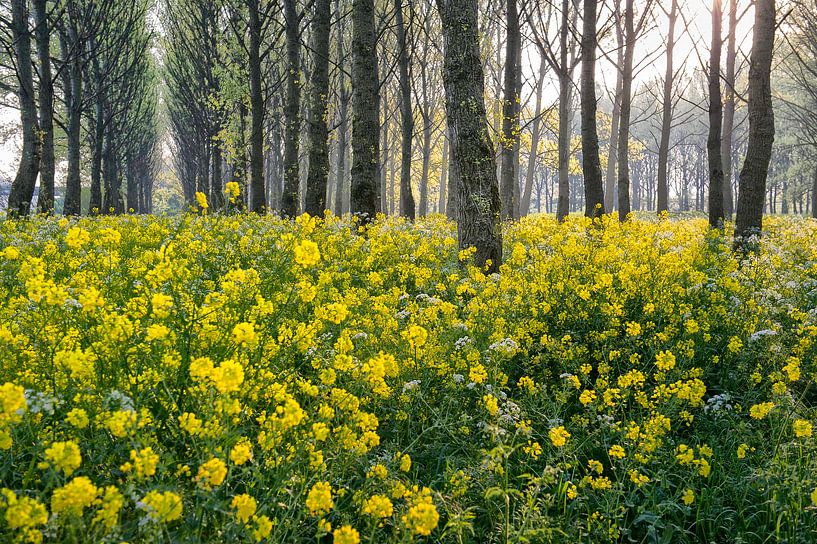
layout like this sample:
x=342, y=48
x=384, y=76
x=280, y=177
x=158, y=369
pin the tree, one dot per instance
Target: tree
x=591, y=161
x=478, y=204
x=318, y=128
x=290, y=201
x=666, y=122
x=633, y=28
x=716, y=216
x=510, y=114
x=22, y=188
x=729, y=110
x=45, y=201
x=366, y=108
x=407, y=208
x=755, y=170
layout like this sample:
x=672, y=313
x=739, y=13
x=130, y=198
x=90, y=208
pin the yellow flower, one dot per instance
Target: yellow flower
x=65, y=456
x=233, y=191
x=802, y=428
x=12, y=402
x=742, y=449
x=77, y=237
x=22, y=512
x=263, y=528
x=558, y=436
x=665, y=361
x=110, y=505
x=587, y=397
x=74, y=497
x=244, y=334
x=307, y=254
x=244, y=506
x=319, y=499
x=144, y=462
x=814, y=497
x=633, y=328
x=688, y=497
x=346, y=535
x=616, y=452
x=201, y=200
x=491, y=404
x=416, y=336
x=405, y=463
x=162, y=507
x=760, y=411
x=241, y=453
x=378, y=506
x=478, y=374
x=212, y=473
x=422, y=518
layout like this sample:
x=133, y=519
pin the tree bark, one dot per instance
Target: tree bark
x=443, y=176
x=45, y=201
x=510, y=113
x=666, y=121
x=624, y=121
x=761, y=126
x=292, y=109
x=593, y=184
x=366, y=108
x=534, y=143
x=612, y=153
x=73, y=101
x=472, y=149
x=423, y=211
x=565, y=97
x=814, y=195
x=258, y=197
x=407, y=206
x=22, y=188
x=343, y=114
x=729, y=111
x=715, y=121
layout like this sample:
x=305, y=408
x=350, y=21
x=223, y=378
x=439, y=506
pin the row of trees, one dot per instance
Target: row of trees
x=327, y=104
x=86, y=86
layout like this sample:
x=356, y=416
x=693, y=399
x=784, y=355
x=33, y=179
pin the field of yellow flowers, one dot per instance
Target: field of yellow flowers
x=247, y=379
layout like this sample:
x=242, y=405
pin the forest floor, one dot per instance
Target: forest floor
x=247, y=379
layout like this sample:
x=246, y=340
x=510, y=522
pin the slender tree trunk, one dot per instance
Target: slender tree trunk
x=45, y=202
x=761, y=126
x=593, y=184
x=343, y=114
x=534, y=144
x=22, y=188
x=715, y=121
x=666, y=121
x=73, y=102
x=453, y=199
x=443, y=176
x=624, y=122
x=292, y=108
x=366, y=108
x=426, y=164
x=612, y=155
x=729, y=111
x=565, y=98
x=510, y=113
x=407, y=206
x=258, y=197
x=814, y=195
x=478, y=203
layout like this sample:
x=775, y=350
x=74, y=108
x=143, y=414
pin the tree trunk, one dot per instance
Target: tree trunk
x=612, y=152
x=814, y=195
x=534, y=143
x=715, y=121
x=624, y=122
x=73, y=100
x=510, y=113
x=761, y=126
x=593, y=184
x=343, y=114
x=366, y=112
x=452, y=201
x=407, y=206
x=666, y=121
x=472, y=149
x=292, y=108
x=565, y=97
x=426, y=164
x=22, y=188
x=443, y=176
x=258, y=197
x=45, y=202
x=729, y=111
